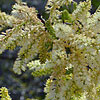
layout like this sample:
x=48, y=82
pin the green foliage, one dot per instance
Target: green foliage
x=50, y=29
x=66, y=47
x=96, y=3
x=66, y=16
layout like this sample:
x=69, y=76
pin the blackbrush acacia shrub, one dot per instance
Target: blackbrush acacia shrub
x=66, y=46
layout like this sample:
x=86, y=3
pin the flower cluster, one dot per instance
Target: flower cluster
x=66, y=46
x=4, y=94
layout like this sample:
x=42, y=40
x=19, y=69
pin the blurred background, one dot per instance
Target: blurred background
x=25, y=86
